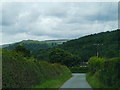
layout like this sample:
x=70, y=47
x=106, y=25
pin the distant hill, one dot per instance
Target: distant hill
x=87, y=46
x=34, y=44
x=59, y=41
x=5, y=45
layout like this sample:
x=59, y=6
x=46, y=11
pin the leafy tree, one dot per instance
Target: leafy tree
x=56, y=55
x=61, y=56
x=23, y=50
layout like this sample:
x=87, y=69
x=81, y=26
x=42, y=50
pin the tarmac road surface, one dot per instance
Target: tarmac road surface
x=77, y=81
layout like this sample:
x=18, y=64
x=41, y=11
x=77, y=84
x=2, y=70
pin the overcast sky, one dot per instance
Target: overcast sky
x=53, y=20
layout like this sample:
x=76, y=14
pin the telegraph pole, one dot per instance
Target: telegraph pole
x=97, y=45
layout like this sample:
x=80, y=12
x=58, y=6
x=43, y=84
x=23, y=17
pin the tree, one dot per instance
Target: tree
x=61, y=56
x=56, y=55
x=23, y=50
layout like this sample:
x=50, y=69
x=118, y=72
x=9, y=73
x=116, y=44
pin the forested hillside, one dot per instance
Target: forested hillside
x=105, y=43
x=31, y=45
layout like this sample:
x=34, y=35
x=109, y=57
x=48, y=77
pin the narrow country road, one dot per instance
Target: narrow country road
x=77, y=81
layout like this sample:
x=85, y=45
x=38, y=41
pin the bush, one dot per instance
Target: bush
x=63, y=57
x=106, y=70
x=22, y=72
x=95, y=64
x=79, y=69
x=23, y=50
x=110, y=72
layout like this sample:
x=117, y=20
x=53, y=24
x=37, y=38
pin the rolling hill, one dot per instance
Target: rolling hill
x=35, y=45
x=105, y=43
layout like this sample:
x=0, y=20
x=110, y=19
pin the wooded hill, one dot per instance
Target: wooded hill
x=105, y=43
x=86, y=46
x=34, y=45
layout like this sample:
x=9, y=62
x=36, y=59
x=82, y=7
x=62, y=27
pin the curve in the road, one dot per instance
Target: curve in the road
x=77, y=81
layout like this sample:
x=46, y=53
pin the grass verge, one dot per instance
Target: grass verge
x=54, y=83
x=94, y=81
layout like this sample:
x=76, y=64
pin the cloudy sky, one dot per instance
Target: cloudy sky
x=55, y=20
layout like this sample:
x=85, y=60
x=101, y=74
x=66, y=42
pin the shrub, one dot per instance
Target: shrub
x=106, y=70
x=95, y=64
x=79, y=69
x=110, y=72
x=22, y=72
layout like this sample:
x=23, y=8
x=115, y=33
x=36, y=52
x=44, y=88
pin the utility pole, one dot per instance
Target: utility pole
x=97, y=45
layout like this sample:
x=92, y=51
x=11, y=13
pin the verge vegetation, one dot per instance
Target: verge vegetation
x=104, y=73
x=26, y=72
x=79, y=69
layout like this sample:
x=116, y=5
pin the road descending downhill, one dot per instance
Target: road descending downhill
x=77, y=81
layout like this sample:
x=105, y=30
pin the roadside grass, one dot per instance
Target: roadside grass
x=94, y=82
x=54, y=83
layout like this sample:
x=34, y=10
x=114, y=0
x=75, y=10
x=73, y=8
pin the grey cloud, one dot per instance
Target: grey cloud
x=56, y=20
x=110, y=14
x=10, y=12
